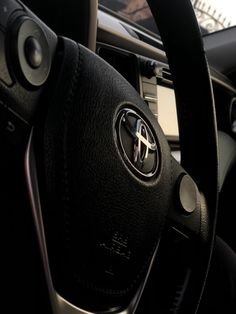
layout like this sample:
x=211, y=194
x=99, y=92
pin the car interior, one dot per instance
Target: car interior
x=118, y=158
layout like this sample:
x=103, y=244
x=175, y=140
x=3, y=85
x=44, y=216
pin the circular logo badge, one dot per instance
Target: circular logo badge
x=137, y=143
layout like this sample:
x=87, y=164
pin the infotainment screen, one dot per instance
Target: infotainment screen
x=166, y=111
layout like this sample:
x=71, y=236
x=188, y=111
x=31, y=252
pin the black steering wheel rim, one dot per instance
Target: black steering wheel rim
x=183, y=45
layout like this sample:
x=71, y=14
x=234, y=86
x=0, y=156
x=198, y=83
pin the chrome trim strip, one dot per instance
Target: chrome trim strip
x=32, y=185
x=93, y=24
x=59, y=304
x=66, y=307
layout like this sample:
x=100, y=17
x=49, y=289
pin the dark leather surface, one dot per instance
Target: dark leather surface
x=102, y=221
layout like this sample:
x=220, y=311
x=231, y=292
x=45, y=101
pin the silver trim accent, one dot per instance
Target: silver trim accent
x=93, y=25
x=66, y=307
x=150, y=98
x=32, y=185
x=140, y=83
x=59, y=304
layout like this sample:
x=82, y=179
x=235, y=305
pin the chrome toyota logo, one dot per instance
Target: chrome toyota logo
x=137, y=143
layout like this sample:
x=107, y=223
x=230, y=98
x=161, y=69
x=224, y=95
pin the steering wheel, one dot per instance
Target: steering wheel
x=126, y=227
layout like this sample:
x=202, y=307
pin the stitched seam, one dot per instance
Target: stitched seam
x=65, y=180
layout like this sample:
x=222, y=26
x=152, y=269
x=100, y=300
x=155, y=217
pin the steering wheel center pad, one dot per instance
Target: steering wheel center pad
x=103, y=220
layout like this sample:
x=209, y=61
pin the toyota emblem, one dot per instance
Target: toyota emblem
x=137, y=143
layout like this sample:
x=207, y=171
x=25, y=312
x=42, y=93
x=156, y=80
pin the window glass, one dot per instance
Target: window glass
x=212, y=15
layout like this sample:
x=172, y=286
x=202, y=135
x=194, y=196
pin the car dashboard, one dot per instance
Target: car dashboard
x=141, y=59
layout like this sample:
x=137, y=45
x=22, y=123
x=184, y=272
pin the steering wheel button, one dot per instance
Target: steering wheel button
x=30, y=46
x=188, y=195
x=33, y=52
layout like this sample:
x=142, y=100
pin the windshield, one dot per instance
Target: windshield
x=212, y=15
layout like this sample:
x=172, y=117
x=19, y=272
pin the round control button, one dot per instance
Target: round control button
x=189, y=197
x=33, y=52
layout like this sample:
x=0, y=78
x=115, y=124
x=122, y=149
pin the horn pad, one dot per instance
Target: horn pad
x=108, y=180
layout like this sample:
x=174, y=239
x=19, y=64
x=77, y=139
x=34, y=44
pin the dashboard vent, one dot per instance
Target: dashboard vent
x=166, y=74
x=163, y=74
x=152, y=68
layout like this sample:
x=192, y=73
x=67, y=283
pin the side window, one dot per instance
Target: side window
x=136, y=11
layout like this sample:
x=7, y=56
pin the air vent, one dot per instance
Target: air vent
x=166, y=74
x=163, y=73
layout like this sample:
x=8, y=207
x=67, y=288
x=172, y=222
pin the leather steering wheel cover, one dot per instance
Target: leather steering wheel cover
x=183, y=45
